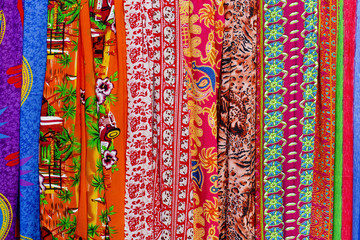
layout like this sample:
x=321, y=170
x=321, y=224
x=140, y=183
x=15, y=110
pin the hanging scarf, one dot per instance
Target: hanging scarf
x=356, y=123
x=322, y=211
x=349, y=54
x=83, y=124
x=202, y=28
x=139, y=201
x=11, y=33
x=173, y=183
x=289, y=99
x=236, y=141
x=33, y=72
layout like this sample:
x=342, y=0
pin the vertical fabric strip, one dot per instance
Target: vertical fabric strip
x=322, y=197
x=236, y=140
x=356, y=123
x=349, y=54
x=338, y=165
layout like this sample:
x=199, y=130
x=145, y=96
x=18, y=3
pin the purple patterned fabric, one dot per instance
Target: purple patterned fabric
x=10, y=96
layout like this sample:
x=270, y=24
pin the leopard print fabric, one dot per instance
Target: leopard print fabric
x=236, y=141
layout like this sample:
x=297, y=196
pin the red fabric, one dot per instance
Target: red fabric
x=349, y=54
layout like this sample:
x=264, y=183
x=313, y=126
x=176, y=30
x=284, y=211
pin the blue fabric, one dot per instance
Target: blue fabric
x=356, y=172
x=34, y=67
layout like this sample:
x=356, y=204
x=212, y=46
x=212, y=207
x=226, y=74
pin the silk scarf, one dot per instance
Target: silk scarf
x=11, y=35
x=202, y=33
x=139, y=202
x=290, y=70
x=33, y=73
x=323, y=194
x=236, y=140
x=173, y=182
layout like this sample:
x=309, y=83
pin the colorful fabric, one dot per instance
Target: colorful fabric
x=356, y=122
x=33, y=73
x=349, y=54
x=202, y=33
x=236, y=140
x=139, y=203
x=79, y=128
x=11, y=39
x=173, y=209
x=289, y=100
x=323, y=189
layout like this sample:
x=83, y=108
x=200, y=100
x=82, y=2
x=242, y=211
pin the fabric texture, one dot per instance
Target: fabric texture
x=349, y=54
x=202, y=33
x=173, y=188
x=11, y=39
x=33, y=73
x=323, y=188
x=236, y=140
x=290, y=87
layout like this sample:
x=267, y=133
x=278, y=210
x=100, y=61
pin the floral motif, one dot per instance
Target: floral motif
x=274, y=218
x=273, y=119
x=307, y=160
x=274, y=67
x=310, y=6
x=274, y=84
x=273, y=202
x=308, y=143
x=207, y=14
x=310, y=57
x=305, y=227
x=309, y=126
x=305, y=210
x=273, y=152
x=273, y=185
x=273, y=169
x=311, y=22
x=274, y=234
x=306, y=177
x=274, y=101
x=310, y=74
x=274, y=49
x=273, y=135
x=103, y=89
x=310, y=92
x=274, y=14
x=311, y=40
x=274, y=32
x=309, y=109
x=109, y=159
x=211, y=210
x=306, y=194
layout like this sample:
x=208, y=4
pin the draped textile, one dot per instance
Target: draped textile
x=356, y=122
x=290, y=71
x=11, y=39
x=33, y=73
x=323, y=188
x=349, y=54
x=173, y=210
x=202, y=33
x=236, y=140
x=139, y=202
x=81, y=120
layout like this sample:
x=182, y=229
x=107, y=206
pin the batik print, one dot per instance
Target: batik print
x=290, y=77
x=322, y=200
x=139, y=157
x=33, y=73
x=59, y=160
x=236, y=140
x=202, y=32
x=11, y=35
x=173, y=216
